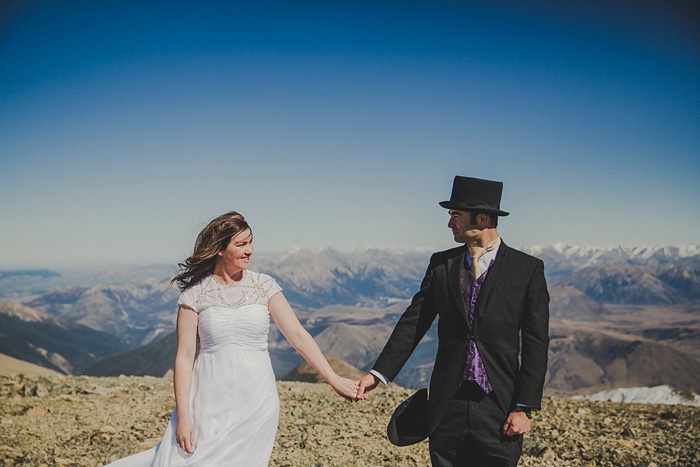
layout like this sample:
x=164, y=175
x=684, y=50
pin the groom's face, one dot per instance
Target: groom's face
x=463, y=230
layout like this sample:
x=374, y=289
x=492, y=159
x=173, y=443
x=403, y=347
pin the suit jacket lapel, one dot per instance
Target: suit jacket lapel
x=491, y=279
x=454, y=268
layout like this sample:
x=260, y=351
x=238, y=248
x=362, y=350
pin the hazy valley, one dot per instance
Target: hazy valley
x=621, y=317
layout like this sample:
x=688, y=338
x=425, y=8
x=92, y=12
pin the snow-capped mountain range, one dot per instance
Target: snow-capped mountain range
x=565, y=257
x=616, y=311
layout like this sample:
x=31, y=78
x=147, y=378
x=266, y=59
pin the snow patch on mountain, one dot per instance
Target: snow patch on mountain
x=641, y=254
x=654, y=395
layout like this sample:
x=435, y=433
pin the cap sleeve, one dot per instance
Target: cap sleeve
x=273, y=289
x=188, y=299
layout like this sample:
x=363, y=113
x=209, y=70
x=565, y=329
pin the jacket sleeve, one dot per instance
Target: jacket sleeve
x=535, y=341
x=409, y=330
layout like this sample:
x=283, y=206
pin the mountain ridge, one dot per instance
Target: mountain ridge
x=62, y=345
x=350, y=302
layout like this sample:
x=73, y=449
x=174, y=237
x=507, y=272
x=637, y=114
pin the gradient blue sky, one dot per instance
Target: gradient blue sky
x=125, y=126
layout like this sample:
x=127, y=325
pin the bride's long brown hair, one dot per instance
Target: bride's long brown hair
x=214, y=238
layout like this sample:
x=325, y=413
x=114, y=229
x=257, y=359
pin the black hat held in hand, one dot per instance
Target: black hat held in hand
x=409, y=423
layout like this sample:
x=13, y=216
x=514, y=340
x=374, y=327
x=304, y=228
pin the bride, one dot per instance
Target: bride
x=227, y=407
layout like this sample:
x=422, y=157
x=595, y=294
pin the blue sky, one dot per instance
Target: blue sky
x=126, y=126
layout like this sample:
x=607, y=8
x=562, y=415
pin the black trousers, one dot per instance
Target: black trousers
x=470, y=434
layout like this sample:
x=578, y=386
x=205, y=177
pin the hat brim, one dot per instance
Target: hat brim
x=470, y=207
x=409, y=423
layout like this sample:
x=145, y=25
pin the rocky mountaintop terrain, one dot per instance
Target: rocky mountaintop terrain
x=75, y=421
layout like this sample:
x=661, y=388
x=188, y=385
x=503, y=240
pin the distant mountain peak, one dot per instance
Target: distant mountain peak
x=623, y=252
x=306, y=373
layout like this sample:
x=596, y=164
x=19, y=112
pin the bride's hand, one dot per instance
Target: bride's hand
x=345, y=387
x=184, y=434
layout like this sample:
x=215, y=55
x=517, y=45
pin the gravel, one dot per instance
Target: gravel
x=91, y=421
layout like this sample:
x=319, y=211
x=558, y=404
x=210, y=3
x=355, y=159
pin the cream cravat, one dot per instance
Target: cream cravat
x=477, y=252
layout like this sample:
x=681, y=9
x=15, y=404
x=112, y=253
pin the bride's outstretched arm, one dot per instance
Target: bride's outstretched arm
x=301, y=340
x=187, y=320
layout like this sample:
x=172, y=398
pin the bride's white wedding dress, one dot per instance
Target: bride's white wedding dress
x=233, y=398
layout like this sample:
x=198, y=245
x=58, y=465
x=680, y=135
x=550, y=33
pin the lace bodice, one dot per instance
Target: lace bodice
x=254, y=289
x=232, y=316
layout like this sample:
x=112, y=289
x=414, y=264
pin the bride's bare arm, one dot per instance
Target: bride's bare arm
x=187, y=320
x=301, y=340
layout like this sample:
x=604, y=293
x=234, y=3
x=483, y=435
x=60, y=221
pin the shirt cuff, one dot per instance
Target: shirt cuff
x=381, y=377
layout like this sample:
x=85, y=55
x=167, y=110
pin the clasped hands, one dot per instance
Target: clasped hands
x=355, y=390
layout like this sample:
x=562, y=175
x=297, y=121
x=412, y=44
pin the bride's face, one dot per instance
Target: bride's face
x=236, y=256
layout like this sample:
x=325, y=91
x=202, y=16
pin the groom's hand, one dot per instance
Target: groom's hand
x=366, y=384
x=517, y=423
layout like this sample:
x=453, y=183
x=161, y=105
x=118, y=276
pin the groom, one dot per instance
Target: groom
x=492, y=306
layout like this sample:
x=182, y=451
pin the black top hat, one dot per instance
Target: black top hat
x=475, y=194
x=409, y=423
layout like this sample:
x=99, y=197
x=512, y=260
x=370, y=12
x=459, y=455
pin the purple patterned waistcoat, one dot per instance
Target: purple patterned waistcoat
x=474, y=369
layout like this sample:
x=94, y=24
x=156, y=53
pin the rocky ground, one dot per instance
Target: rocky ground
x=87, y=421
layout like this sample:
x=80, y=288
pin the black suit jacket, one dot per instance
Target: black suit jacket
x=511, y=321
